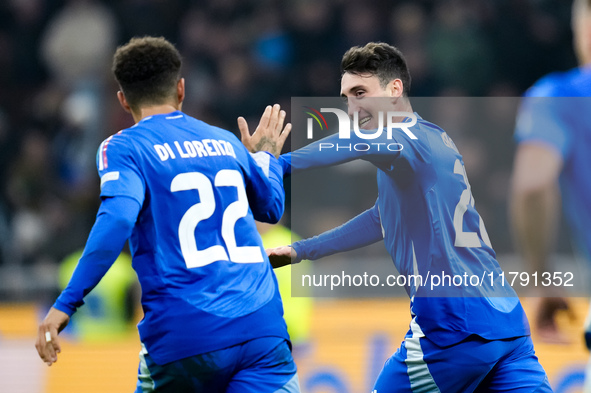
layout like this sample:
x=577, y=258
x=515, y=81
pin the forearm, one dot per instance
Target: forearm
x=363, y=230
x=268, y=206
x=535, y=202
x=112, y=228
x=535, y=217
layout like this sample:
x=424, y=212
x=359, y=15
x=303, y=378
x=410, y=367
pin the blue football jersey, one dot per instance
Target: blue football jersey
x=431, y=229
x=206, y=280
x=554, y=112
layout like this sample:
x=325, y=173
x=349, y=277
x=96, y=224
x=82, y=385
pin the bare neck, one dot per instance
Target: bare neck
x=404, y=105
x=146, y=111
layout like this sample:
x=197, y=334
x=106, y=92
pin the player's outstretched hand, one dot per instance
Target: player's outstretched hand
x=545, y=311
x=270, y=135
x=281, y=256
x=47, y=343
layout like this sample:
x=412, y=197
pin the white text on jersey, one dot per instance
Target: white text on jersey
x=190, y=149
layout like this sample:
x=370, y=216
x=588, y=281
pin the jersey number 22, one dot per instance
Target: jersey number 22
x=205, y=209
x=463, y=238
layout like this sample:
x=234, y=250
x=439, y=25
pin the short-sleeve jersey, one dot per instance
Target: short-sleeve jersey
x=432, y=230
x=554, y=112
x=206, y=280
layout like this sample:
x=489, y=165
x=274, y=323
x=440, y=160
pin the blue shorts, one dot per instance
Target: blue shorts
x=263, y=365
x=473, y=365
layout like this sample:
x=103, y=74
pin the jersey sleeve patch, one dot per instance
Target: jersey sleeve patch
x=263, y=160
x=109, y=176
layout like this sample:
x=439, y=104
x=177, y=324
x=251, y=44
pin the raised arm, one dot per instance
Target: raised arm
x=270, y=135
x=332, y=150
x=360, y=231
x=264, y=185
x=264, y=188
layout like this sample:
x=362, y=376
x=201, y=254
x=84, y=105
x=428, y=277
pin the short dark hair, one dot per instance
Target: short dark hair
x=147, y=70
x=384, y=61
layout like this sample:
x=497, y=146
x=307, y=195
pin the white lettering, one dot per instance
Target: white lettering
x=170, y=152
x=208, y=148
x=360, y=146
x=344, y=123
x=229, y=149
x=200, y=149
x=180, y=150
x=398, y=147
x=360, y=134
x=190, y=149
x=404, y=126
x=218, y=147
x=162, y=152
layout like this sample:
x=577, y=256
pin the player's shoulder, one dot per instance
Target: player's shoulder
x=117, y=144
x=438, y=142
x=575, y=82
x=118, y=138
x=213, y=131
x=427, y=125
x=220, y=134
x=433, y=130
x=119, y=141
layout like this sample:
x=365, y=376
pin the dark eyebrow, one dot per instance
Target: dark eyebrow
x=354, y=89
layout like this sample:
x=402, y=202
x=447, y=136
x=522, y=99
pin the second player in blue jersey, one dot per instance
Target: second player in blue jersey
x=186, y=195
x=462, y=338
x=552, y=173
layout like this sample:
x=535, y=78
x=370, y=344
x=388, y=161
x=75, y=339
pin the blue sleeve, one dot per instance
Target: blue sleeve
x=382, y=146
x=547, y=120
x=363, y=230
x=118, y=170
x=114, y=222
x=285, y=162
x=333, y=151
x=264, y=187
x=551, y=85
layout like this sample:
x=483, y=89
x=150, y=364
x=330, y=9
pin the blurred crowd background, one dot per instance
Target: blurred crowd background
x=57, y=95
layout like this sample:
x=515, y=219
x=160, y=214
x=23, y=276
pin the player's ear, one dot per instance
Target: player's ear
x=180, y=90
x=395, y=88
x=123, y=101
